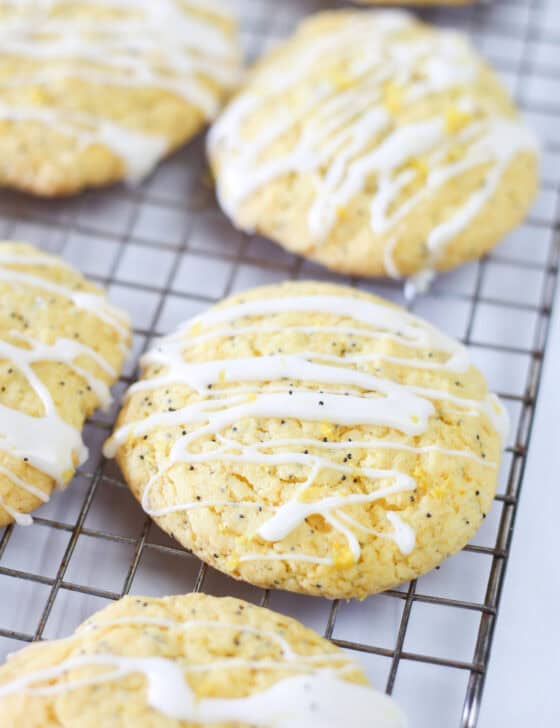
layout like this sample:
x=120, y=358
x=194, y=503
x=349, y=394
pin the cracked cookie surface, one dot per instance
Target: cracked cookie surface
x=376, y=145
x=312, y=437
x=98, y=91
x=189, y=661
x=62, y=345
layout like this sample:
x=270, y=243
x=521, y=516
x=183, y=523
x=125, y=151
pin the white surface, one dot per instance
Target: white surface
x=180, y=245
x=522, y=684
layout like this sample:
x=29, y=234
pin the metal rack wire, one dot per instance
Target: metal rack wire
x=165, y=252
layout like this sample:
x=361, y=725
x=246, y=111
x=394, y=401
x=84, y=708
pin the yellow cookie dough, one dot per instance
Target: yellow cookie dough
x=100, y=90
x=61, y=346
x=312, y=437
x=376, y=145
x=189, y=661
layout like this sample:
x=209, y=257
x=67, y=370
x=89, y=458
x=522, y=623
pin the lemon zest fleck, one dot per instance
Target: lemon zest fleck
x=343, y=558
x=67, y=475
x=233, y=562
x=341, y=80
x=392, y=97
x=326, y=428
x=455, y=119
x=454, y=154
x=420, y=168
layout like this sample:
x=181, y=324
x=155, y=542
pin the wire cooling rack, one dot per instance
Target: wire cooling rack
x=165, y=252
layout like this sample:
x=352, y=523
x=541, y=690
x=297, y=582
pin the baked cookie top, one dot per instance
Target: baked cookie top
x=376, y=145
x=94, y=91
x=312, y=437
x=190, y=660
x=61, y=346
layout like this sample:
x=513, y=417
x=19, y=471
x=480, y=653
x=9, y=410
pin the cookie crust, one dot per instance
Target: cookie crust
x=62, y=345
x=189, y=661
x=96, y=92
x=376, y=145
x=314, y=438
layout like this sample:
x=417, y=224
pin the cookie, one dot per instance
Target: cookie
x=314, y=438
x=190, y=660
x=375, y=145
x=61, y=346
x=100, y=90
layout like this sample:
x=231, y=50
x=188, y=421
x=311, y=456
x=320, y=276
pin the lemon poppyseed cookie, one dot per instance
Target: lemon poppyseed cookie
x=100, y=90
x=61, y=346
x=190, y=660
x=314, y=438
x=376, y=145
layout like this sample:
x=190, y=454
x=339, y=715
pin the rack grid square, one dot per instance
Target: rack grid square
x=165, y=252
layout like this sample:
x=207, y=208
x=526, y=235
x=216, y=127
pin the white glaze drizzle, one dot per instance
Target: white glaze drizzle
x=140, y=152
x=315, y=691
x=22, y=519
x=360, y=444
x=418, y=283
x=291, y=702
x=94, y=303
x=194, y=624
x=382, y=320
x=453, y=363
x=282, y=367
x=403, y=535
x=348, y=397
x=159, y=45
x=63, y=350
x=48, y=442
x=343, y=137
x=37, y=492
